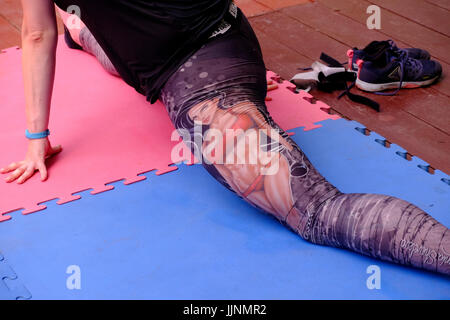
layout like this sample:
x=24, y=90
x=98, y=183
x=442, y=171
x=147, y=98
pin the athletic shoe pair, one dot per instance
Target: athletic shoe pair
x=381, y=65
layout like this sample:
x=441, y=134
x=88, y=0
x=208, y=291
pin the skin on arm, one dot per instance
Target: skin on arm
x=39, y=39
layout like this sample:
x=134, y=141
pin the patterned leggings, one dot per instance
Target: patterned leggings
x=217, y=97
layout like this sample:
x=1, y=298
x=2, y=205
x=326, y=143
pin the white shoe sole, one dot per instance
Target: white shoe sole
x=373, y=87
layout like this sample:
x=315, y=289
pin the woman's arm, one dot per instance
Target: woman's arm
x=39, y=39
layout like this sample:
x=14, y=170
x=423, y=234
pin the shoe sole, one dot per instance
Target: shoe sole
x=374, y=87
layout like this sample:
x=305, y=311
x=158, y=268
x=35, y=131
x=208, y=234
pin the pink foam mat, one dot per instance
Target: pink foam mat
x=108, y=131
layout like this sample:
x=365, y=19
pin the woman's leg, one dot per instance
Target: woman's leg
x=84, y=38
x=221, y=89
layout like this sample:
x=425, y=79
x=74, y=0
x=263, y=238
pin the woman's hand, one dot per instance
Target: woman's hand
x=271, y=86
x=38, y=151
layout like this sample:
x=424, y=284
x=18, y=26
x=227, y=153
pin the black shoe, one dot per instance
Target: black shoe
x=376, y=51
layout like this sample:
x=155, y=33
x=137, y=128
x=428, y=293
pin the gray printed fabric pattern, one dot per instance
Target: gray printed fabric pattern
x=90, y=45
x=228, y=73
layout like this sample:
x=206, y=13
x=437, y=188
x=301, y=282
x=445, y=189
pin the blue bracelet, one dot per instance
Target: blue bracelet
x=39, y=135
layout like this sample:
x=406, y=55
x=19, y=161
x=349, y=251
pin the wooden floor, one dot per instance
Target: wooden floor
x=293, y=33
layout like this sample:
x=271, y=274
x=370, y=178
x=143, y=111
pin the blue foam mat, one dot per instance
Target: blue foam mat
x=184, y=236
x=11, y=288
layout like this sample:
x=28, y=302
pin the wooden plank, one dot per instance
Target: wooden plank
x=427, y=105
x=445, y=4
x=252, y=8
x=351, y=33
x=9, y=36
x=297, y=36
x=277, y=4
x=419, y=11
x=355, y=9
x=278, y=57
x=394, y=26
x=11, y=10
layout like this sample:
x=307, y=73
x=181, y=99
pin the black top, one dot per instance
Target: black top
x=147, y=41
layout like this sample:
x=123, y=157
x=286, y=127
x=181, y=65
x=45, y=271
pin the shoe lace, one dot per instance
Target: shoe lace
x=412, y=66
x=394, y=47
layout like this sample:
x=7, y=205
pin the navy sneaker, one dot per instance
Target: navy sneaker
x=376, y=50
x=400, y=71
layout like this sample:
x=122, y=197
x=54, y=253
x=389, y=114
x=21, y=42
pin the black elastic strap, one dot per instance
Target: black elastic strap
x=353, y=97
x=359, y=99
x=330, y=61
